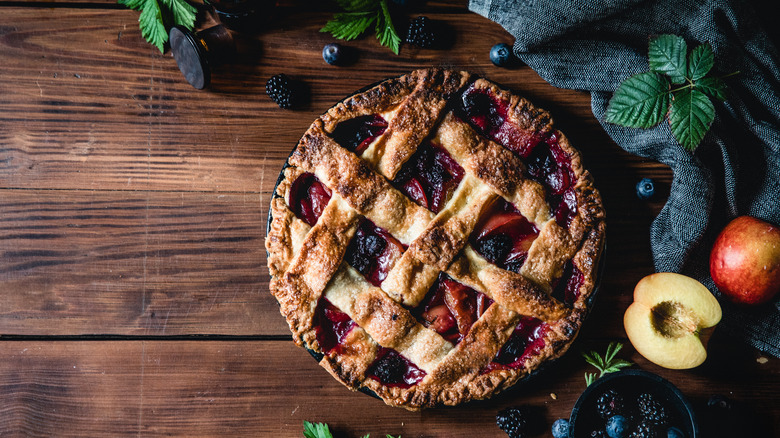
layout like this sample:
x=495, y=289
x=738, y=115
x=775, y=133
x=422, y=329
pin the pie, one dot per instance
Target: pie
x=434, y=239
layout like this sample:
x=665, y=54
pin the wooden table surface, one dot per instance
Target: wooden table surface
x=133, y=209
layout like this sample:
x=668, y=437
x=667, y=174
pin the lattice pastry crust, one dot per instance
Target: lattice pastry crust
x=371, y=319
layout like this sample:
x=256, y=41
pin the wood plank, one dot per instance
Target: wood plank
x=162, y=263
x=145, y=263
x=268, y=388
x=87, y=104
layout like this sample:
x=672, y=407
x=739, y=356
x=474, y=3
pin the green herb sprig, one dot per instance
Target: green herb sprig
x=321, y=430
x=645, y=99
x=606, y=364
x=359, y=16
x=157, y=16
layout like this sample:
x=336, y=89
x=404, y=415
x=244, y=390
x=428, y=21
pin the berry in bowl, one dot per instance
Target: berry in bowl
x=632, y=404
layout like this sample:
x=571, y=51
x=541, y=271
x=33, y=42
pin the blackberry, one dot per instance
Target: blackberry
x=651, y=410
x=422, y=32
x=644, y=430
x=513, y=421
x=610, y=403
x=279, y=88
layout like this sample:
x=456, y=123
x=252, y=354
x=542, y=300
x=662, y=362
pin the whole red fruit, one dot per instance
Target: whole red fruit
x=745, y=260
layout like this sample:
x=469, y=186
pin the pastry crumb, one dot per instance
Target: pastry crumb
x=762, y=360
x=554, y=396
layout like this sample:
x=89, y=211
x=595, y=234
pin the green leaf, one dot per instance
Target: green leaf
x=151, y=24
x=690, y=117
x=183, y=13
x=349, y=25
x=132, y=4
x=641, y=101
x=666, y=55
x=368, y=435
x=358, y=5
x=713, y=87
x=589, y=378
x=316, y=430
x=700, y=61
x=385, y=32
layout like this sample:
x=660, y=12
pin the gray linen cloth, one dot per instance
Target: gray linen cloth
x=594, y=46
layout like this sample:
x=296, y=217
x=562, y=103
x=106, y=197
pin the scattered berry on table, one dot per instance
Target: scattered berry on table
x=501, y=55
x=719, y=402
x=610, y=403
x=422, y=32
x=279, y=88
x=617, y=426
x=333, y=53
x=513, y=421
x=644, y=430
x=674, y=432
x=651, y=410
x=560, y=429
x=645, y=188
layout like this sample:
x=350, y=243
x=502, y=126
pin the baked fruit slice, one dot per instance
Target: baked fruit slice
x=434, y=239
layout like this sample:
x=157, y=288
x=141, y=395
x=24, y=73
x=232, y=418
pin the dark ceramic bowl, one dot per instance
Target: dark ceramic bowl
x=631, y=383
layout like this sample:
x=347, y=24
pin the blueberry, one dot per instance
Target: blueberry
x=674, y=432
x=645, y=188
x=617, y=426
x=501, y=55
x=333, y=53
x=719, y=402
x=560, y=429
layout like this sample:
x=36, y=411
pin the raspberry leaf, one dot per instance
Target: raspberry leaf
x=316, y=430
x=349, y=25
x=713, y=87
x=385, y=31
x=667, y=55
x=157, y=16
x=700, y=62
x=641, y=101
x=690, y=117
x=359, y=16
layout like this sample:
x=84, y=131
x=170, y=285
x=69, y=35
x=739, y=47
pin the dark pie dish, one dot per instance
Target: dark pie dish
x=433, y=240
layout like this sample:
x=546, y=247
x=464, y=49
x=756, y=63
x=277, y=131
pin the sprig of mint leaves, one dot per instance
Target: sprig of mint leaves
x=321, y=430
x=359, y=15
x=605, y=364
x=157, y=16
x=677, y=86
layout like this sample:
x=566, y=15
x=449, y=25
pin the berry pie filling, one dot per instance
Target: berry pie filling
x=503, y=236
x=567, y=288
x=331, y=325
x=549, y=165
x=372, y=251
x=429, y=177
x=525, y=341
x=356, y=134
x=488, y=115
x=451, y=308
x=552, y=167
x=392, y=369
x=308, y=197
